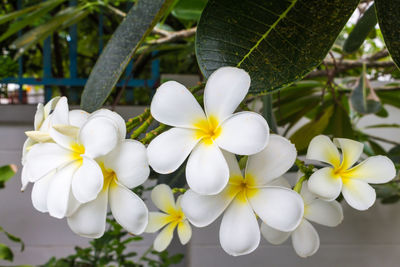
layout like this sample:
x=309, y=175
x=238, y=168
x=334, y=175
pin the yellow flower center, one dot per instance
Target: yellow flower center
x=77, y=151
x=109, y=176
x=242, y=188
x=176, y=216
x=207, y=130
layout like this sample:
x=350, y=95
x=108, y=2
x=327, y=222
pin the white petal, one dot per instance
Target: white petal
x=57, y=133
x=25, y=149
x=224, y=91
x=128, y=209
x=274, y=236
x=234, y=169
x=305, y=239
x=58, y=197
x=163, y=198
x=39, y=116
x=279, y=207
x=207, y=172
x=273, y=161
x=239, y=232
x=305, y=193
x=358, y=194
x=174, y=105
x=351, y=151
x=43, y=158
x=129, y=162
x=90, y=219
x=280, y=181
x=39, y=192
x=60, y=113
x=87, y=181
x=99, y=136
x=203, y=210
x=375, y=170
x=325, y=184
x=323, y=212
x=38, y=136
x=164, y=238
x=184, y=232
x=24, y=177
x=78, y=117
x=321, y=148
x=157, y=220
x=114, y=117
x=244, y=133
x=170, y=149
x=49, y=107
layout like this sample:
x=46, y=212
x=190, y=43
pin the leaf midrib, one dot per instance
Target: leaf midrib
x=265, y=35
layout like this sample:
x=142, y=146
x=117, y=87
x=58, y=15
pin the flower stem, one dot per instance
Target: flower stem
x=134, y=122
x=299, y=184
x=142, y=128
x=153, y=133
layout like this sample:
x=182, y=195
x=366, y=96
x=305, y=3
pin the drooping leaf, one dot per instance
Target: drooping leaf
x=388, y=13
x=6, y=173
x=339, y=124
x=5, y=253
x=138, y=23
x=377, y=149
x=277, y=42
x=268, y=113
x=302, y=137
x=189, y=9
x=363, y=98
x=360, y=31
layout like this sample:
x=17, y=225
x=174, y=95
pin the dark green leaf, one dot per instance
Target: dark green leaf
x=394, y=154
x=389, y=97
x=5, y=253
x=268, y=113
x=277, y=42
x=189, y=9
x=360, y=31
x=377, y=149
x=302, y=137
x=339, y=125
x=125, y=41
x=388, y=13
x=13, y=15
x=363, y=98
x=394, y=125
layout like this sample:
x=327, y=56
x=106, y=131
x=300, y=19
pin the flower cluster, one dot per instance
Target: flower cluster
x=81, y=163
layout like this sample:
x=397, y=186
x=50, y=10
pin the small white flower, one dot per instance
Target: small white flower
x=123, y=168
x=245, y=197
x=341, y=176
x=205, y=134
x=68, y=165
x=172, y=217
x=305, y=239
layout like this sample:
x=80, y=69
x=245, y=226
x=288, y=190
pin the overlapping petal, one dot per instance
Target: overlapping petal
x=324, y=212
x=170, y=149
x=174, y=105
x=39, y=192
x=127, y=208
x=118, y=121
x=157, y=220
x=305, y=239
x=239, y=232
x=224, y=91
x=184, y=232
x=321, y=148
x=87, y=181
x=78, y=117
x=163, y=198
x=325, y=183
x=358, y=194
x=164, y=237
x=351, y=151
x=273, y=161
x=207, y=172
x=244, y=133
x=274, y=236
x=279, y=207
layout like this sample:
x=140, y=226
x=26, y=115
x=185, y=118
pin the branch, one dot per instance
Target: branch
x=172, y=36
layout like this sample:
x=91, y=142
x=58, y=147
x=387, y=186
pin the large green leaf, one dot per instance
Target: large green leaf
x=125, y=41
x=277, y=42
x=388, y=13
x=360, y=31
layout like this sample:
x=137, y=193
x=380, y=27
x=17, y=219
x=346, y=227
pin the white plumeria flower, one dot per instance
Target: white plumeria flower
x=68, y=165
x=123, y=168
x=341, y=176
x=172, y=217
x=244, y=198
x=205, y=134
x=305, y=239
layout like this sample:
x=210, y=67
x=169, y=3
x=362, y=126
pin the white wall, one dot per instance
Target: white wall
x=370, y=238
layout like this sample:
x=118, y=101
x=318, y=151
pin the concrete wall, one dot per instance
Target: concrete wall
x=370, y=238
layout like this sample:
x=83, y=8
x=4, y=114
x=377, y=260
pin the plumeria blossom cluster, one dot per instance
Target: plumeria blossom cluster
x=80, y=165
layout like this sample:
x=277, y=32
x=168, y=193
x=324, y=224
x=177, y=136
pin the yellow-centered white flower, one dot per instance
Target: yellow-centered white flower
x=203, y=135
x=65, y=172
x=172, y=217
x=246, y=197
x=342, y=176
x=305, y=239
x=124, y=168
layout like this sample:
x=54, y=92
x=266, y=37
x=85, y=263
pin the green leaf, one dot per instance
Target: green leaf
x=125, y=41
x=189, y=9
x=360, y=31
x=30, y=18
x=383, y=125
x=389, y=97
x=388, y=13
x=340, y=125
x=268, y=114
x=5, y=253
x=6, y=173
x=302, y=137
x=277, y=42
x=363, y=98
x=13, y=15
